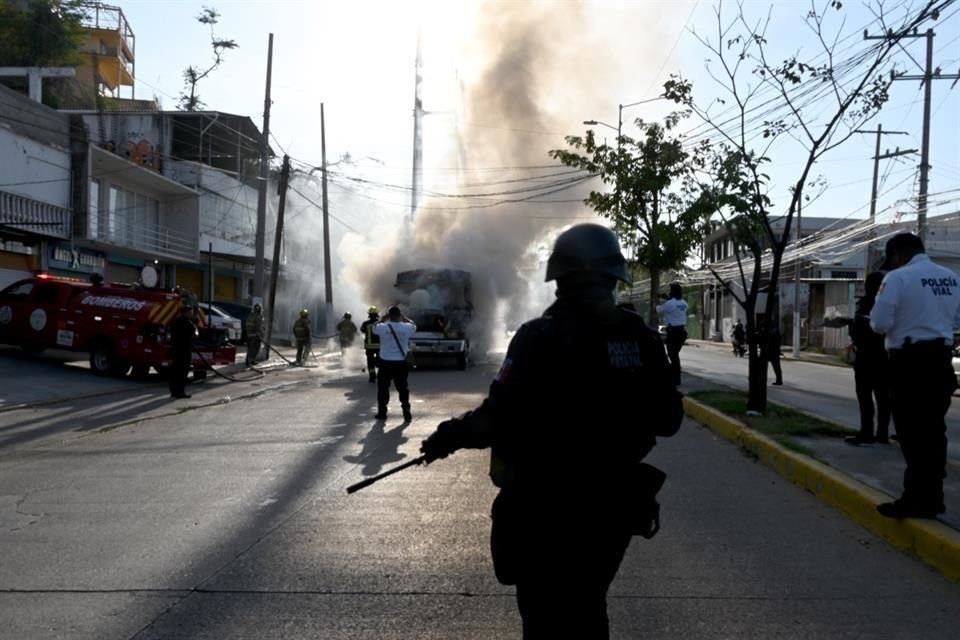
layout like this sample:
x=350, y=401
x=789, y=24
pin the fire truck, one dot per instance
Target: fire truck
x=122, y=327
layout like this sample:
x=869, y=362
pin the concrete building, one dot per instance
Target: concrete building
x=36, y=208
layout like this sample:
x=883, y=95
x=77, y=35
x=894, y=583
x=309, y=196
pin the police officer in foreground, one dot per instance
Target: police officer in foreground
x=254, y=326
x=579, y=400
x=371, y=341
x=302, y=335
x=182, y=332
x=674, y=313
x=917, y=308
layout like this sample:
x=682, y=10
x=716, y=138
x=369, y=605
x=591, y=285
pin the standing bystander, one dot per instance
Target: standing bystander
x=870, y=369
x=394, y=331
x=918, y=308
x=674, y=312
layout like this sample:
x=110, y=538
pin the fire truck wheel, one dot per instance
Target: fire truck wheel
x=103, y=362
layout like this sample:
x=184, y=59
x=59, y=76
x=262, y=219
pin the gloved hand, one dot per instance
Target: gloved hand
x=441, y=442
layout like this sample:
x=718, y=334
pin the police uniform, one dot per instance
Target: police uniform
x=564, y=445
x=394, y=349
x=917, y=308
x=371, y=344
x=674, y=312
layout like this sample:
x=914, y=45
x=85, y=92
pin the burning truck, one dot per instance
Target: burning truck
x=440, y=302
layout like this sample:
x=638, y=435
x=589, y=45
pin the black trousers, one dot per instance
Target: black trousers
x=773, y=355
x=372, y=363
x=303, y=348
x=870, y=378
x=178, y=377
x=676, y=336
x=921, y=384
x=253, y=349
x=568, y=597
x=394, y=371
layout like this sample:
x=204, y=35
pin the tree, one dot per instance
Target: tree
x=817, y=102
x=653, y=205
x=40, y=33
x=189, y=100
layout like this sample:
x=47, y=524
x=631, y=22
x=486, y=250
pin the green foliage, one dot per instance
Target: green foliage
x=189, y=100
x=653, y=202
x=780, y=421
x=40, y=33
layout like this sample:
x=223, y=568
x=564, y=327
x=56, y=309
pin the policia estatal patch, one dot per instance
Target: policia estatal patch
x=624, y=355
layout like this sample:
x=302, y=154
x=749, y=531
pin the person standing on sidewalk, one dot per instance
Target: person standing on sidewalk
x=674, y=313
x=566, y=449
x=918, y=308
x=182, y=332
x=371, y=341
x=394, y=331
x=254, y=326
x=870, y=370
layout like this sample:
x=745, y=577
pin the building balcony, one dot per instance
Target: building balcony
x=140, y=237
x=18, y=213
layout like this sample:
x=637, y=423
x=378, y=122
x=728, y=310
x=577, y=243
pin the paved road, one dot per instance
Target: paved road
x=820, y=389
x=230, y=521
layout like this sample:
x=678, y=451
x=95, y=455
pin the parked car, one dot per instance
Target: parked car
x=220, y=319
x=240, y=312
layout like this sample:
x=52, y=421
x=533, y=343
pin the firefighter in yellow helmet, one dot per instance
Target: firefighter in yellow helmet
x=371, y=341
x=302, y=335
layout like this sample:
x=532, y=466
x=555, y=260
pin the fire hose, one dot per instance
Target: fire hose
x=259, y=373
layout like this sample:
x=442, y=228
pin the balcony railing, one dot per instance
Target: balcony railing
x=33, y=216
x=152, y=239
x=97, y=15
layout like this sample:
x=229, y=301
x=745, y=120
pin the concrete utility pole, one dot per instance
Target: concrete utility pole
x=417, y=179
x=929, y=75
x=262, y=190
x=868, y=258
x=327, y=268
x=277, y=241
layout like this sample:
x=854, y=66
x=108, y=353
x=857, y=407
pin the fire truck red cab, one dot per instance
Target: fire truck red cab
x=120, y=326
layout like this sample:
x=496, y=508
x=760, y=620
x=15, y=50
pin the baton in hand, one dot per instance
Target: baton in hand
x=369, y=481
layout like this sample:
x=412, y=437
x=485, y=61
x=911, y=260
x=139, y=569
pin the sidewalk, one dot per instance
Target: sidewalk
x=853, y=479
x=805, y=356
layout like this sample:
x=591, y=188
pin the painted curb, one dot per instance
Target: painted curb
x=933, y=542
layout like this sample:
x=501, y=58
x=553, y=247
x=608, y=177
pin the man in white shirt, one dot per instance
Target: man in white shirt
x=674, y=314
x=394, y=332
x=918, y=308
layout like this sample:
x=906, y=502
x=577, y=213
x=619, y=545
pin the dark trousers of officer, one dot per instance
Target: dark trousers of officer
x=921, y=384
x=395, y=371
x=372, y=364
x=303, y=347
x=178, y=376
x=676, y=336
x=870, y=378
x=773, y=356
x=253, y=349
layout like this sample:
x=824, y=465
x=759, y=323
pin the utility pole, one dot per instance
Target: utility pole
x=262, y=187
x=327, y=275
x=277, y=241
x=796, y=288
x=417, y=179
x=868, y=258
x=929, y=75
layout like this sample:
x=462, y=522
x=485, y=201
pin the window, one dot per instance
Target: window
x=93, y=215
x=133, y=218
x=46, y=293
x=17, y=290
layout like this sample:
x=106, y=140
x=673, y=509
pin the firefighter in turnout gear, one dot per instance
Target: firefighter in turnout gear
x=559, y=404
x=347, y=331
x=301, y=336
x=254, y=328
x=182, y=332
x=371, y=341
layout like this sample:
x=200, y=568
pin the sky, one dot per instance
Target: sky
x=357, y=58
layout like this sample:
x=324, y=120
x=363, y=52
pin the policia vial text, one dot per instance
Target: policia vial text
x=939, y=286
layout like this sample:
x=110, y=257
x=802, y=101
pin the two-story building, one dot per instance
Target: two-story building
x=36, y=180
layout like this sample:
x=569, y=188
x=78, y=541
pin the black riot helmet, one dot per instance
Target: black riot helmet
x=587, y=248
